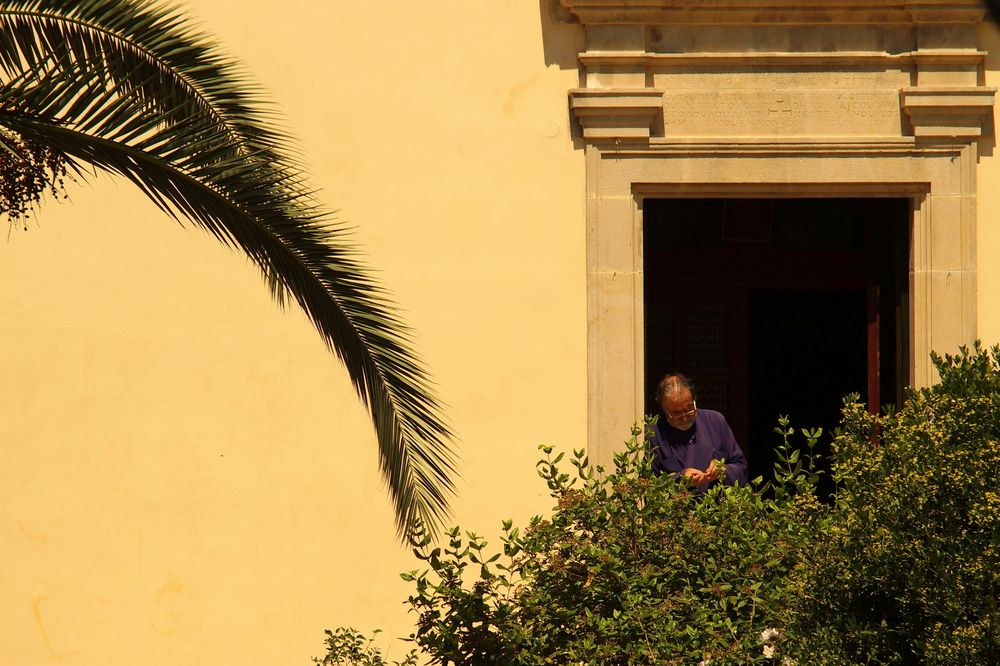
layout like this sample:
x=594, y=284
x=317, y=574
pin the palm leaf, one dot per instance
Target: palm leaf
x=129, y=88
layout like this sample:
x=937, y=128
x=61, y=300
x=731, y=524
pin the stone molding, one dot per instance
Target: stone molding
x=616, y=114
x=614, y=106
x=948, y=112
x=818, y=59
x=774, y=12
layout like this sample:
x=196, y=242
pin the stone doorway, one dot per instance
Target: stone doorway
x=777, y=306
x=714, y=99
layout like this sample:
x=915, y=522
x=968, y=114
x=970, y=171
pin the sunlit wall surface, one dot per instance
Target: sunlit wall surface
x=186, y=476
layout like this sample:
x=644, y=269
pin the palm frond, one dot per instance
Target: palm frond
x=148, y=47
x=128, y=87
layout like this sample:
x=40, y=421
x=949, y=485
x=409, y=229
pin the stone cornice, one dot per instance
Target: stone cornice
x=784, y=12
x=647, y=82
x=617, y=114
x=947, y=112
x=951, y=57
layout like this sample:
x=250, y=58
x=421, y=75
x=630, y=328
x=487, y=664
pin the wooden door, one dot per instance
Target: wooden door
x=701, y=332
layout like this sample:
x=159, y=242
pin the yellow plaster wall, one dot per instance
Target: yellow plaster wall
x=988, y=199
x=186, y=476
x=185, y=473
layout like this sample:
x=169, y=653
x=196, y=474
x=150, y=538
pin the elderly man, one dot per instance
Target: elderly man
x=688, y=441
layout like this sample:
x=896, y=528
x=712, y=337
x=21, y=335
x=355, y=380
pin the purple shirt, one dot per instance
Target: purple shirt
x=710, y=438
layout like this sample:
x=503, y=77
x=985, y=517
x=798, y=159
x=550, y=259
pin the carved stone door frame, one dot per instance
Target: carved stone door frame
x=710, y=98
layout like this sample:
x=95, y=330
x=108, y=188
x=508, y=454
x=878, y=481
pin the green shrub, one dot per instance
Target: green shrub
x=630, y=568
x=910, y=572
x=346, y=646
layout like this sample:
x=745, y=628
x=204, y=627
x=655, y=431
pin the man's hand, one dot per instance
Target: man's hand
x=715, y=470
x=697, y=476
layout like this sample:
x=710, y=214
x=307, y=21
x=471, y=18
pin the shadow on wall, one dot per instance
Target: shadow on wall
x=989, y=41
x=994, y=7
x=562, y=35
x=563, y=39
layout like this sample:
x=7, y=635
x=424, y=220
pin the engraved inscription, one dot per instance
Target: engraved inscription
x=836, y=112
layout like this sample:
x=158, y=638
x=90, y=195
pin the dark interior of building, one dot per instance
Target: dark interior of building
x=777, y=307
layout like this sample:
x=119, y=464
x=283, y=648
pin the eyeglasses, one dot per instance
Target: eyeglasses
x=690, y=411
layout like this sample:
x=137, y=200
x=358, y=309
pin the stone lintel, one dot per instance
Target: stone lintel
x=617, y=114
x=948, y=111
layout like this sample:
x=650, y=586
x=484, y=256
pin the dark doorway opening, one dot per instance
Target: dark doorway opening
x=777, y=307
